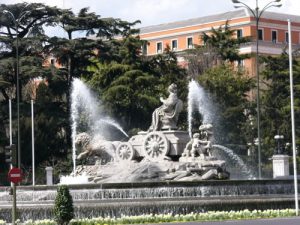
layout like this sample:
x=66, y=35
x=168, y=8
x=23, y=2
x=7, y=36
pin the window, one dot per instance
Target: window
x=159, y=47
x=190, y=42
x=52, y=61
x=274, y=36
x=239, y=33
x=260, y=34
x=174, y=45
x=144, y=49
x=286, y=37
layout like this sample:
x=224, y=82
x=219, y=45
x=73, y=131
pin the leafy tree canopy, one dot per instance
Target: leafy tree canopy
x=276, y=103
x=131, y=84
x=229, y=89
x=225, y=42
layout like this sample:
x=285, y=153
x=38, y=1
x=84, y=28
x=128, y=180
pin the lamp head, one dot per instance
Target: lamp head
x=278, y=137
x=235, y=1
x=278, y=5
x=277, y=0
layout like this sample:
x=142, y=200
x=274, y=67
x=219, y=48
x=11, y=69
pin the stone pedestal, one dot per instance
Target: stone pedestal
x=280, y=166
x=49, y=176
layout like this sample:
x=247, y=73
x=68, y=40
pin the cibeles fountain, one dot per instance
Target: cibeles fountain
x=162, y=153
x=161, y=170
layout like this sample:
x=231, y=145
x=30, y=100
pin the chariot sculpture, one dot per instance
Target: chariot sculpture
x=162, y=143
x=162, y=140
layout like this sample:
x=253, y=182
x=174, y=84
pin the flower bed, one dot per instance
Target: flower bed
x=206, y=216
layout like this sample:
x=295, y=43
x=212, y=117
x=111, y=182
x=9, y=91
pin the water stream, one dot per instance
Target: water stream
x=241, y=164
x=88, y=115
x=199, y=101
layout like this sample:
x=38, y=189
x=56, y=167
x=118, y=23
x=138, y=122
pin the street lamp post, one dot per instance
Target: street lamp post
x=16, y=23
x=279, y=149
x=257, y=15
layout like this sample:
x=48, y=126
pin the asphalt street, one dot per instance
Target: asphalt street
x=275, y=221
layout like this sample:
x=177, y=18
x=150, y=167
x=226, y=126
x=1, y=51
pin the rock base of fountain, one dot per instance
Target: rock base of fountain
x=154, y=156
x=186, y=169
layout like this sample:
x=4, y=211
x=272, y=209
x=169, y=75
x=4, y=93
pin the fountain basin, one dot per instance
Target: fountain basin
x=117, y=199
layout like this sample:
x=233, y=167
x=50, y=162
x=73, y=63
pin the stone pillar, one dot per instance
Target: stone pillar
x=280, y=166
x=49, y=176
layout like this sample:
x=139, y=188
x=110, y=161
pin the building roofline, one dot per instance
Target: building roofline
x=230, y=15
x=193, y=21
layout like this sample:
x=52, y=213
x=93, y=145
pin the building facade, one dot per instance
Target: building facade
x=182, y=35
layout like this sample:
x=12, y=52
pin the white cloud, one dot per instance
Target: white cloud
x=152, y=12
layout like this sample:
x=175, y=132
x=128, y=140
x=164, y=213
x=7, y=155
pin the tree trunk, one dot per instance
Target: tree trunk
x=69, y=83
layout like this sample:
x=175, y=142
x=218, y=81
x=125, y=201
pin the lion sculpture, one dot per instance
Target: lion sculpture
x=97, y=146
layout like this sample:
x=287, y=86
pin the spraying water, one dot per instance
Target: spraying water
x=244, y=169
x=199, y=101
x=102, y=123
x=86, y=113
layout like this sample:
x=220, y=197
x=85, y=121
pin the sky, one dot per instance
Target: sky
x=152, y=12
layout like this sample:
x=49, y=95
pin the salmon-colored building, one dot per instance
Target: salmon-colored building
x=182, y=35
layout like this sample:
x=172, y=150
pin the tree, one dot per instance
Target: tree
x=123, y=85
x=275, y=104
x=114, y=67
x=76, y=53
x=21, y=29
x=165, y=66
x=131, y=84
x=229, y=89
x=212, y=65
x=23, y=24
x=219, y=46
x=226, y=45
x=200, y=59
x=63, y=206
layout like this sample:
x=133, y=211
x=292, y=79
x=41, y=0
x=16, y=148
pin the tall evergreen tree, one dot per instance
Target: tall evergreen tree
x=226, y=43
x=218, y=46
x=275, y=104
x=76, y=52
x=21, y=28
x=131, y=84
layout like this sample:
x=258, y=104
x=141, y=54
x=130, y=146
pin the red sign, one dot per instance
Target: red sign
x=15, y=175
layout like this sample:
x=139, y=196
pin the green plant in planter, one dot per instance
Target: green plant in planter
x=63, y=208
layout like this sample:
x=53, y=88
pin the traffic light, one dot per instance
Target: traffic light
x=10, y=154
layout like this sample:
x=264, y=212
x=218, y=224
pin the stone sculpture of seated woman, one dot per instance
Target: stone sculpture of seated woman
x=165, y=117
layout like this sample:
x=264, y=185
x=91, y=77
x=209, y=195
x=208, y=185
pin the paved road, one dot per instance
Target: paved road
x=276, y=221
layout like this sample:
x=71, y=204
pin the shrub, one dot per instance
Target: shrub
x=63, y=207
